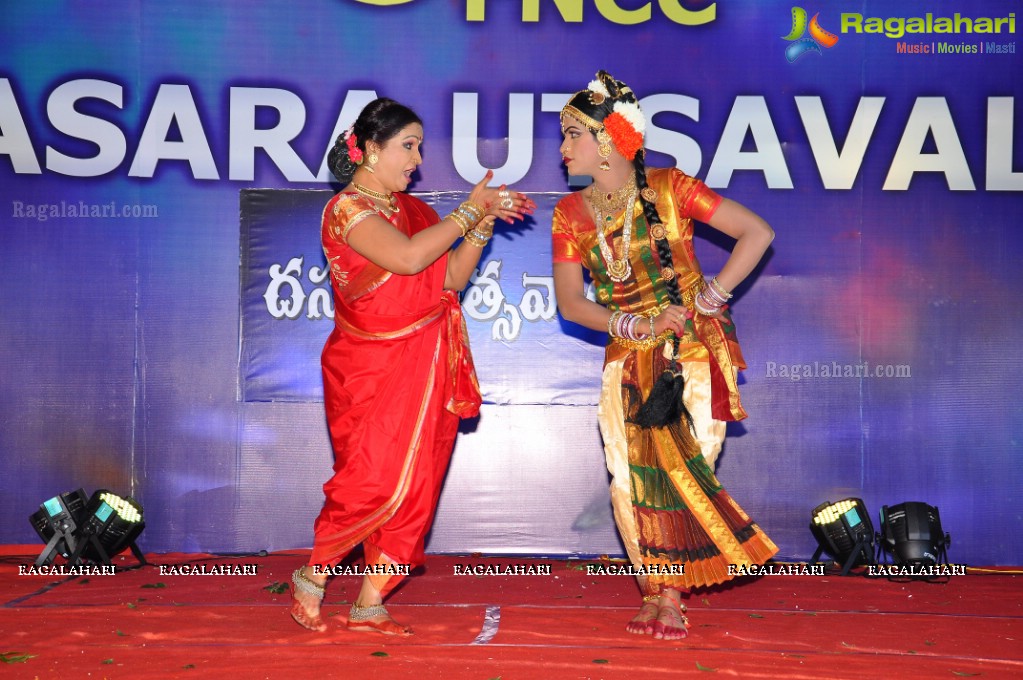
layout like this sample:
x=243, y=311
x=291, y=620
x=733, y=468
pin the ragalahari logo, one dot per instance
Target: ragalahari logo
x=800, y=45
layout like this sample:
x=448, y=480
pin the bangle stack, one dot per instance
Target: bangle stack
x=712, y=298
x=480, y=234
x=625, y=326
x=467, y=216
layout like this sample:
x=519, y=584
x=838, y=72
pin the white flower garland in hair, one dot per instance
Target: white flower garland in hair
x=631, y=112
x=597, y=86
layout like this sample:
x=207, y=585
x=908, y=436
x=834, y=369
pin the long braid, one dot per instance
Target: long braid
x=664, y=406
x=662, y=244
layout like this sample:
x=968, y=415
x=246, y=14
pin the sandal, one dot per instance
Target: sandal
x=298, y=611
x=360, y=619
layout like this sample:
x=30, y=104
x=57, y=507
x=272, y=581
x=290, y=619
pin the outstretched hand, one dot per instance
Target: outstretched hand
x=500, y=203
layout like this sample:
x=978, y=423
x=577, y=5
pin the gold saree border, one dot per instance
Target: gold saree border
x=611, y=418
x=341, y=543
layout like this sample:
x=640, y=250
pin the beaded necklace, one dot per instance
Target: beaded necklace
x=605, y=207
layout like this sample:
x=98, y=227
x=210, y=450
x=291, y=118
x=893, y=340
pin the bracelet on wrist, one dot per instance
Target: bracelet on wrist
x=466, y=216
x=473, y=211
x=461, y=221
x=705, y=306
x=477, y=239
x=719, y=289
x=713, y=297
x=612, y=323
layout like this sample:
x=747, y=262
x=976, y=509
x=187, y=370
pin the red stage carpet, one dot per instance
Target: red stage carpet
x=141, y=624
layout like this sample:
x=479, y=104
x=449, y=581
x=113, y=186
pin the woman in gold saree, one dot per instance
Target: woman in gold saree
x=669, y=382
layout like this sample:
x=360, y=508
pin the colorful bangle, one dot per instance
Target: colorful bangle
x=622, y=325
x=630, y=327
x=625, y=326
x=713, y=297
x=714, y=294
x=718, y=288
x=705, y=306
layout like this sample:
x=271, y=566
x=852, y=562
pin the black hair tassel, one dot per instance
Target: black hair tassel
x=664, y=404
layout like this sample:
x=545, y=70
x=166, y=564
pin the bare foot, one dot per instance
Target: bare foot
x=643, y=622
x=306, y=596
x=671, y=622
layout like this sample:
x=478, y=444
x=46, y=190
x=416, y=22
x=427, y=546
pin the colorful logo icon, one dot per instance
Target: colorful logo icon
x=800, y=45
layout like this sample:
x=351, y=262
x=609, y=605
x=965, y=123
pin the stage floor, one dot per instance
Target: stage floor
x=149, y=622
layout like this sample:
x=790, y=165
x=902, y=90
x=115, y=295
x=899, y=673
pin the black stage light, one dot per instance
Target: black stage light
x=911, y=532
x=56, y=521
x=844, y=531
x=110, y=525
x=83, y=529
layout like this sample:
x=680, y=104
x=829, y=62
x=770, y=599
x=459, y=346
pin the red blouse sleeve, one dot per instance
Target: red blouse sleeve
x=698, y=201
x=349, y=210
x=564, y=247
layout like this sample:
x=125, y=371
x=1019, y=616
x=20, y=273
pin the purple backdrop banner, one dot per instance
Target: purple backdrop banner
x=144, y=154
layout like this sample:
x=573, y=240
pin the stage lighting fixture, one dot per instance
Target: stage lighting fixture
x=88, y=529
x=109, y=526
x=844, y=531
x=911, y=532
x=56, y=521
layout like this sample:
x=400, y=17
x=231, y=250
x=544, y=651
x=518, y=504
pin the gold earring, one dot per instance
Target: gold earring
x=604, y=148
x=370, y=161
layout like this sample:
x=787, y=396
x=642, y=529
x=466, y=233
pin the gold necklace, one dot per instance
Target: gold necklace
x=605, y=207
x=390, y=199
x=613, y=202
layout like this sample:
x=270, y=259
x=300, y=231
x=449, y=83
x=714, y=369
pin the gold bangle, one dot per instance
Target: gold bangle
x=473, y=211
x=484, y=229
x=611, y=323
x=477, y=239
x=648, y=342
x=716, y=285
x=461, y=220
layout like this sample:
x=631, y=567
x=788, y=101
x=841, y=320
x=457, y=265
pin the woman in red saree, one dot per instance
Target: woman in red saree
x=397, y=371
x=669, y=381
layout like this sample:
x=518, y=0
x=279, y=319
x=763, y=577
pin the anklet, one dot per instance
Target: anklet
x=307, y=586
x=358, y=613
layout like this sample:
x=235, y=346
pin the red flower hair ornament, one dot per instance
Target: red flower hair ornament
x=627, y=139
x=354, y=152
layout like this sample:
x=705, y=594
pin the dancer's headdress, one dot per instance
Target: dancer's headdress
x=609, y=109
